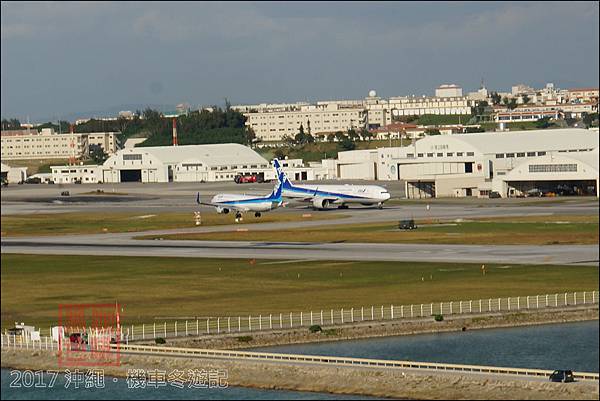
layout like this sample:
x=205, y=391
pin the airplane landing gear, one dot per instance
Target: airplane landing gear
x=380, y=205
x=238, y=217
x=257, y=214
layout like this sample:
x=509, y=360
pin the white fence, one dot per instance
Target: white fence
x=334, y=317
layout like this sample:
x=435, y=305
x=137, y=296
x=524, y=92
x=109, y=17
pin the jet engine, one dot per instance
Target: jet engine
x=222, y=210
x=320, y=203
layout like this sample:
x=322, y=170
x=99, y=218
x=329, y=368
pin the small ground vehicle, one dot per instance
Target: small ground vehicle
x=244, y=179
x=407, y=224
x=494, y=195
x=534, y=192
x=563, y=376
x=65, y=193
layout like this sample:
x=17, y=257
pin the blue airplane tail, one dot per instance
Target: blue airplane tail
x=276, y=194
x=281, y=176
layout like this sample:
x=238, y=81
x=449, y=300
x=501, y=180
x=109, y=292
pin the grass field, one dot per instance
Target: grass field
x=532, y=230
x=95, y=223
x=34, y=285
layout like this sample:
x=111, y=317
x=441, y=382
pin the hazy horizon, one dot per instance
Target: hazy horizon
x=60, y=59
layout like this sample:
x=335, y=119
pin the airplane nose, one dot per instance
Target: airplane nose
x=387, y=196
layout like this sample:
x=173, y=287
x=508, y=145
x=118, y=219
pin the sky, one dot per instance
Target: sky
x=63, y=58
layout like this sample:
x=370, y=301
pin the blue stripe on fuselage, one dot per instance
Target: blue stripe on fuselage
x=317, y=192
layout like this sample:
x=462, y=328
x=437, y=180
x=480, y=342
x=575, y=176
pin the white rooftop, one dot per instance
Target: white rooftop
x=212, y=155
x=519, y=141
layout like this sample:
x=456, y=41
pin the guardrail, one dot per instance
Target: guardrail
x=48, y=345
x=341, y=361
x=331, y=317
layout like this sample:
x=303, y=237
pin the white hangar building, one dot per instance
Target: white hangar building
x=13, y=175
x=185, y=163
x=510, y=163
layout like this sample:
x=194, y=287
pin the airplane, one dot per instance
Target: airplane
x=224, y=203
x=322, y=196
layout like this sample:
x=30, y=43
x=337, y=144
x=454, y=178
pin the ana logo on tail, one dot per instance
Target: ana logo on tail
x=281, y=175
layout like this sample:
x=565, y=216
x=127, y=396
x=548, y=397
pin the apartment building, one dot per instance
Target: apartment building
x=415, y=106
x=47, y=144
x=106, y=140
x=274, y=125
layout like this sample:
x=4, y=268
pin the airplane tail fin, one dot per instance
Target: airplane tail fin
x=276, y=194
x=281, y=175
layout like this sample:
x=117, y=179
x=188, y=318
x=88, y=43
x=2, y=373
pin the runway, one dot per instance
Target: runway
x=505, y=254
x=180, y=198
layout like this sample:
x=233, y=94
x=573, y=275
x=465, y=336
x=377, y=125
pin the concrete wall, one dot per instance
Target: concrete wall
x=357, y=171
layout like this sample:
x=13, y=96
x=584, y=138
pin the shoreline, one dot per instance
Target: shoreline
x=395, y=383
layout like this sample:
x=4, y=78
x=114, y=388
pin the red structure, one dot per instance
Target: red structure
x=174, y=131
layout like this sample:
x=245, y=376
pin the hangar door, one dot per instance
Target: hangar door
x=131, y=175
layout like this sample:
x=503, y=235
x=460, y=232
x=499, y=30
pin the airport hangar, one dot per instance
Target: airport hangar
x=184, y=163
x=510, y=163
x=12, y=175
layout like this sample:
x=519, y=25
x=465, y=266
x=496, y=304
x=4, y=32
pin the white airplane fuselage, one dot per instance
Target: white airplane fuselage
x=338, y=194
x=236, y=202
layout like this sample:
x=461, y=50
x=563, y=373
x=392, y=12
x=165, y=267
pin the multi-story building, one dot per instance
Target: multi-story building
x=583, y=95
x=415, y=106
x=47, y=144
x=106, y=140
x=274, y=125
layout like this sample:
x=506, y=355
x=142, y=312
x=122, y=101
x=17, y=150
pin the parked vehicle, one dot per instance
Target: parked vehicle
x=534, y=192
x=562, y=376
x=244, y=179
x=494, y=195
x=407, y=224
x=65, y=193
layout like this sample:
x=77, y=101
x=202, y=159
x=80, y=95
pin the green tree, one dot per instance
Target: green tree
x=97, y=154
x=470, y=130
x=353, y=135
x=339, y=135
x=526, y=99
x=11, y=124
x=590, y=119
x=347, y=144
x=280, y=153
x=543, y=123
x=480, y=108
x=366, y=134
x=496, y=98
x=330, y=137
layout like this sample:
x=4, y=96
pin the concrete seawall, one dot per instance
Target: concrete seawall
x=341, y=380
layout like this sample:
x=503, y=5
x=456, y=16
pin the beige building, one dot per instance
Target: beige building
x=106, y=140
x=271, y=125
x=415, y=106
x=47, y=144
